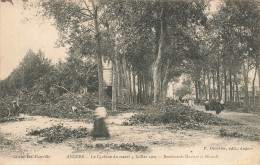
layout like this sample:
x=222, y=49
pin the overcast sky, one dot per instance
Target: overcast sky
x=18, y=35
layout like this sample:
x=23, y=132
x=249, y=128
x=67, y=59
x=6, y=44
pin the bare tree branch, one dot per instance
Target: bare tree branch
x=75, y=97
x=88, y=15
x=87, y=7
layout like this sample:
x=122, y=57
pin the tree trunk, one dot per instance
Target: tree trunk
x=214, y=82
x=199, y=88
x=158, y=61
x=134, y=86
x=233, y=91
x=152, y=90
x=139, y=88
x=114, y=83
x=246, y=84
x=98, y=56
x=145, y=89
x=218, y=84
x=130, y=84
x=209, y=86
x=114, y=60
x=237, y=89
x=205, y=88
x=225, y=85
x=258, y=85
x=196, y=89
x=258, y=66
x=230, y=86
x=148, y=88
x=127, y=83
x=165, y=85
x=253, y=87
x=120, y=80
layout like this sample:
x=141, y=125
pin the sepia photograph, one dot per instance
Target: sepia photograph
x=115, y=82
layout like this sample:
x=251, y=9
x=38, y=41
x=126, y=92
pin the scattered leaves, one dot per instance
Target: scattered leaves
x=225, y=133
x=59, y=133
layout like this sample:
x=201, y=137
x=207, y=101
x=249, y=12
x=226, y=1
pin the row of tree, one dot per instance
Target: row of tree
x=147, y=42
x=229, y=50
x=151, y=43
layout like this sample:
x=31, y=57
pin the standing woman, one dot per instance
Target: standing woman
x=100, y=129
x=206, y=105
x=16, y=108
x=217, y=107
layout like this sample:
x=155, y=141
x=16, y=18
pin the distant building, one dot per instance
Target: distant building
x=107, y=73
x=241, y=94
x=250, y=93
x=107, y=76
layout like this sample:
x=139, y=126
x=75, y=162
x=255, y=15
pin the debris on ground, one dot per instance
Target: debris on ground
x=59, y=133
x=183, y=115
x=235, y=134
x=11, y=119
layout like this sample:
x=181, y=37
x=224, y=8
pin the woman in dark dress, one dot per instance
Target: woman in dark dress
x=16, y=108
x=213, y=105
x=217, y=107
x=100, y=129
x=206, y=105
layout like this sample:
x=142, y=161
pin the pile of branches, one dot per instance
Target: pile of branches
x=11, y=119
x=62, y=108
x=59, y=133
x=235, y=134
x=183, y=116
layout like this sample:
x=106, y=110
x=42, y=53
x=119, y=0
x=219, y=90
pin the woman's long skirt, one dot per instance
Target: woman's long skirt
x=218, y=108
x=207, y=107
x=100, y=129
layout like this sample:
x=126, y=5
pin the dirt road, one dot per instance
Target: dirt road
x=166, y=144
x=252, y=120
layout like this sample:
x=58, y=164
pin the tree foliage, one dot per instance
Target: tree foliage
x=149, y=44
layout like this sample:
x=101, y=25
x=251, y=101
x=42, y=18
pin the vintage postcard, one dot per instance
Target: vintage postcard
x=130, y=82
